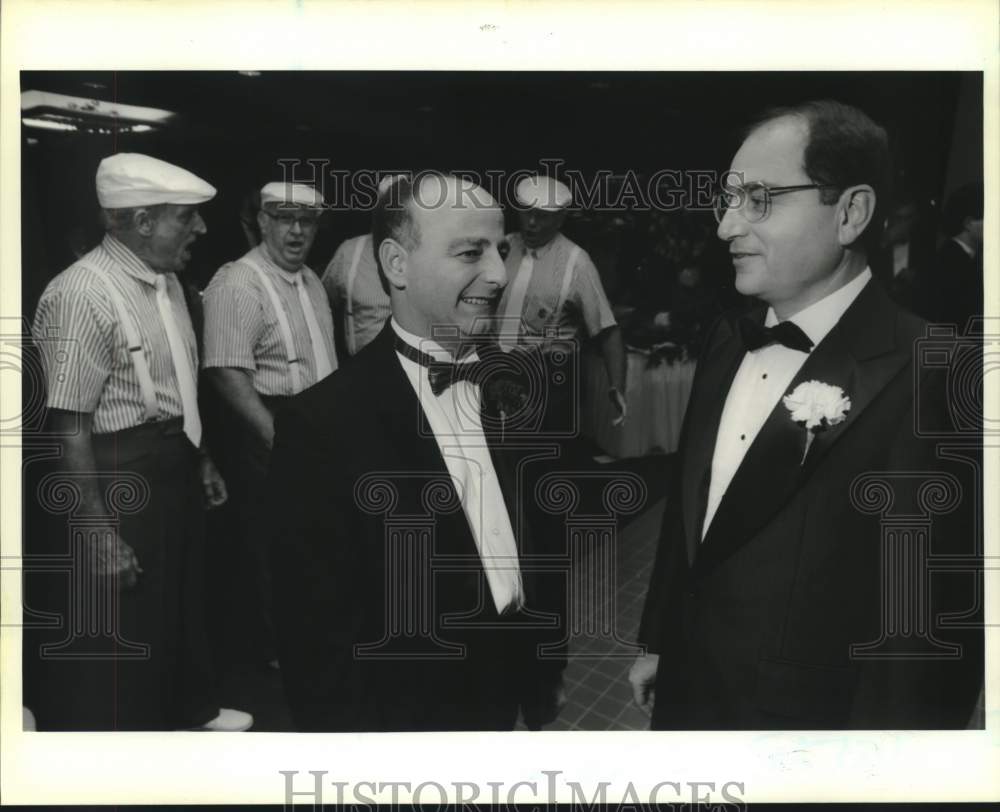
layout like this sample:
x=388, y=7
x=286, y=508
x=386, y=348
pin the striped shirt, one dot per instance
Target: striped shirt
x=585, y=312
x=83, y=347
x=360, y=313
x=242, y=329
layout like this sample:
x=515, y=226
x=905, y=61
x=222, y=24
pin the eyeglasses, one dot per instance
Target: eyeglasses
x=287, y=219
x=754, y=199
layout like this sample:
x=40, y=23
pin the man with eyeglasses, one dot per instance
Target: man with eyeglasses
x=268, y=336
x=782, y=597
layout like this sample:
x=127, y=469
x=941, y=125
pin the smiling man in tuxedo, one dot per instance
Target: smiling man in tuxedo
x=402, y=597
x=768, y=607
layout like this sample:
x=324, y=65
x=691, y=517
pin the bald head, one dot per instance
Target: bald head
x=402, y=205
x=440, y=245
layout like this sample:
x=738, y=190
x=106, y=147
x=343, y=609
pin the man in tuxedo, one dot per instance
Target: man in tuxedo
x=404, y=595
x=778, y=599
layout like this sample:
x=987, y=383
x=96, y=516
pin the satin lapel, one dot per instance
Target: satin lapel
x=859, y=355
x=413, y=441
x=717, y=368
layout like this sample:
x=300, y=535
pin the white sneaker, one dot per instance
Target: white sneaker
x=228, y=721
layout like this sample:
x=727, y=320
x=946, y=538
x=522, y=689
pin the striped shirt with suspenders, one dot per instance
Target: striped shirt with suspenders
x=104, y=324
x=256, y=322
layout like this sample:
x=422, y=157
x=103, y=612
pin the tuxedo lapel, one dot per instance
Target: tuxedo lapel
x=416, y=450
x=704, y=412
x=860, y=356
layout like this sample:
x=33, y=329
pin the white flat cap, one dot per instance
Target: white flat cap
x=386, y=182
x=130, y=179
x=539, y=192
x=291, y=194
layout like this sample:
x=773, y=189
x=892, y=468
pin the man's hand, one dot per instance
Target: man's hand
x=642, y=675
x=545, y=706
x=212, y=482
x=111, y=557
x=618, y=401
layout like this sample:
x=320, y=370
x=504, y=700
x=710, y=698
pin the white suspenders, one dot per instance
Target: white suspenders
x=135, y=351
x=352, y=273
x=283, y=326
x=567, y=279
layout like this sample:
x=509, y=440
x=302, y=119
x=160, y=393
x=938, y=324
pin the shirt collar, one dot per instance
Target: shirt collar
x=819, y=318
x=429, y=346
x=291, y=277
x=129, y=260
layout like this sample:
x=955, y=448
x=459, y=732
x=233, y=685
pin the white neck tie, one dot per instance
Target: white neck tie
x=183, y=371
x=321, y=358
x=511, y=326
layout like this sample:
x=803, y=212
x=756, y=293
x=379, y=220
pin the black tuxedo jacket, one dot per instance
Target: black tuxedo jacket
x=755, y=624
x=383, y=614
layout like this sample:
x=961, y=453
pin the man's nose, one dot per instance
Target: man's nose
x=532, y=219
x=199, y=224
x=732, y=225
x=296, y=226
x=494, y=271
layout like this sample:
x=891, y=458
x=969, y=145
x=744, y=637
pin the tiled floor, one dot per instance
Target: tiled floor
x=599, y=696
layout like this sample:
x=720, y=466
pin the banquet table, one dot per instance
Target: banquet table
x=657, y=397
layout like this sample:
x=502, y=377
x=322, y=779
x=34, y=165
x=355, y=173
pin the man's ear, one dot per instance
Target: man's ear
x=143, y=222
x=393, y=257
x=855, y=210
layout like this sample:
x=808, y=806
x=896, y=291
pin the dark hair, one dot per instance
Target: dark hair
x=844, y=148
x=964, y=202
x=392, y=218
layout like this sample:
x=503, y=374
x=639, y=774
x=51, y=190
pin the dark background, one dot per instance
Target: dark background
x=232, y=129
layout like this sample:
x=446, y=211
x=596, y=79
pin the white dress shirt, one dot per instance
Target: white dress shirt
x=454, y=418
x=761, y=381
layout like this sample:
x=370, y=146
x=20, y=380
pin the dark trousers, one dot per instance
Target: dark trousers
x=139, y=658
x=244, y=462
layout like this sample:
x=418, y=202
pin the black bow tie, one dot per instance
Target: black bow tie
x=442, y=374
x=787, y=333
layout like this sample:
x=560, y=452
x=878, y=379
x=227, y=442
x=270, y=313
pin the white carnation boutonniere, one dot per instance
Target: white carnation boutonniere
x=816, y=406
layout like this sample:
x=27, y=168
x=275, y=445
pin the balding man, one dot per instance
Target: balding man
x=120, y=365
x=401, y=593
x=554, y=291
x=268, y=336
